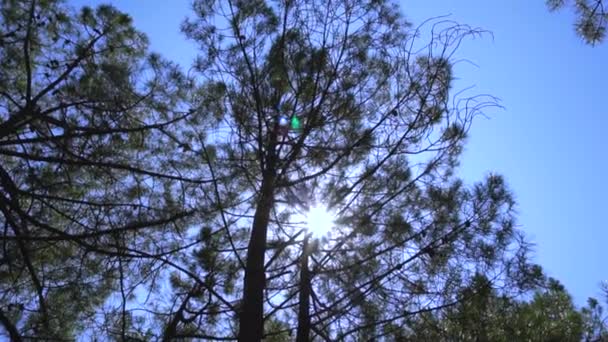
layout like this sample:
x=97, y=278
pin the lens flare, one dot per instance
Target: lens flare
x=319, y=221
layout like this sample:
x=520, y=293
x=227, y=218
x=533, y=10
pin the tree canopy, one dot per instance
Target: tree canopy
x=139, y=202
x=547, y=315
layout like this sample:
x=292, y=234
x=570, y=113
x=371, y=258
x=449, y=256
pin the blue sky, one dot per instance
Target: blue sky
x=548, y=141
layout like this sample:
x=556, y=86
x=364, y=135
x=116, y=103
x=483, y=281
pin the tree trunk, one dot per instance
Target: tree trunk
x=251, y=320
x=303, y=334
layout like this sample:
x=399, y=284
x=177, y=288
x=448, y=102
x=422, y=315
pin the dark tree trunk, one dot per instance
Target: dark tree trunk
x=251, y=320
x=303, y=334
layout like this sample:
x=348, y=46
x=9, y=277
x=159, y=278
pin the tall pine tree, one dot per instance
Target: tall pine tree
x=379, y=139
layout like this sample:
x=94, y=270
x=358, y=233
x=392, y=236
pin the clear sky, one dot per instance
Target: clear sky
x=549, y=141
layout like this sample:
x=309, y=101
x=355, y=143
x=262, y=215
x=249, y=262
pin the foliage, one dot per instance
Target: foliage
x=88, y=140
x=591, y=21
x=549, y=315
x=138, y=203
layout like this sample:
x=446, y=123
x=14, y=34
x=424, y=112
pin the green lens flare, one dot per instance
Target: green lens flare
x=295, y=123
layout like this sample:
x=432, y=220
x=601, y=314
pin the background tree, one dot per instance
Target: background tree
x=595, y=328
x=549, y=315
x=591, y=21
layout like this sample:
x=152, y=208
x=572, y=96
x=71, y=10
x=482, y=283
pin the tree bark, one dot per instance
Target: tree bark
x=251, y=320
x=303, y=334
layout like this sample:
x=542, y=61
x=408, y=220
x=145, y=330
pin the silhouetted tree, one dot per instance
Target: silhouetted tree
x=92, y=174
x=379, y=139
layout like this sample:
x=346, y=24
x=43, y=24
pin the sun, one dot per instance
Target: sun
x=319, y=221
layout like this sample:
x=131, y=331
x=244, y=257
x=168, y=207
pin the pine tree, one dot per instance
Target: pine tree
x=549, y=315
x=595, y=326
x=379, y=139
x=91, y=188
